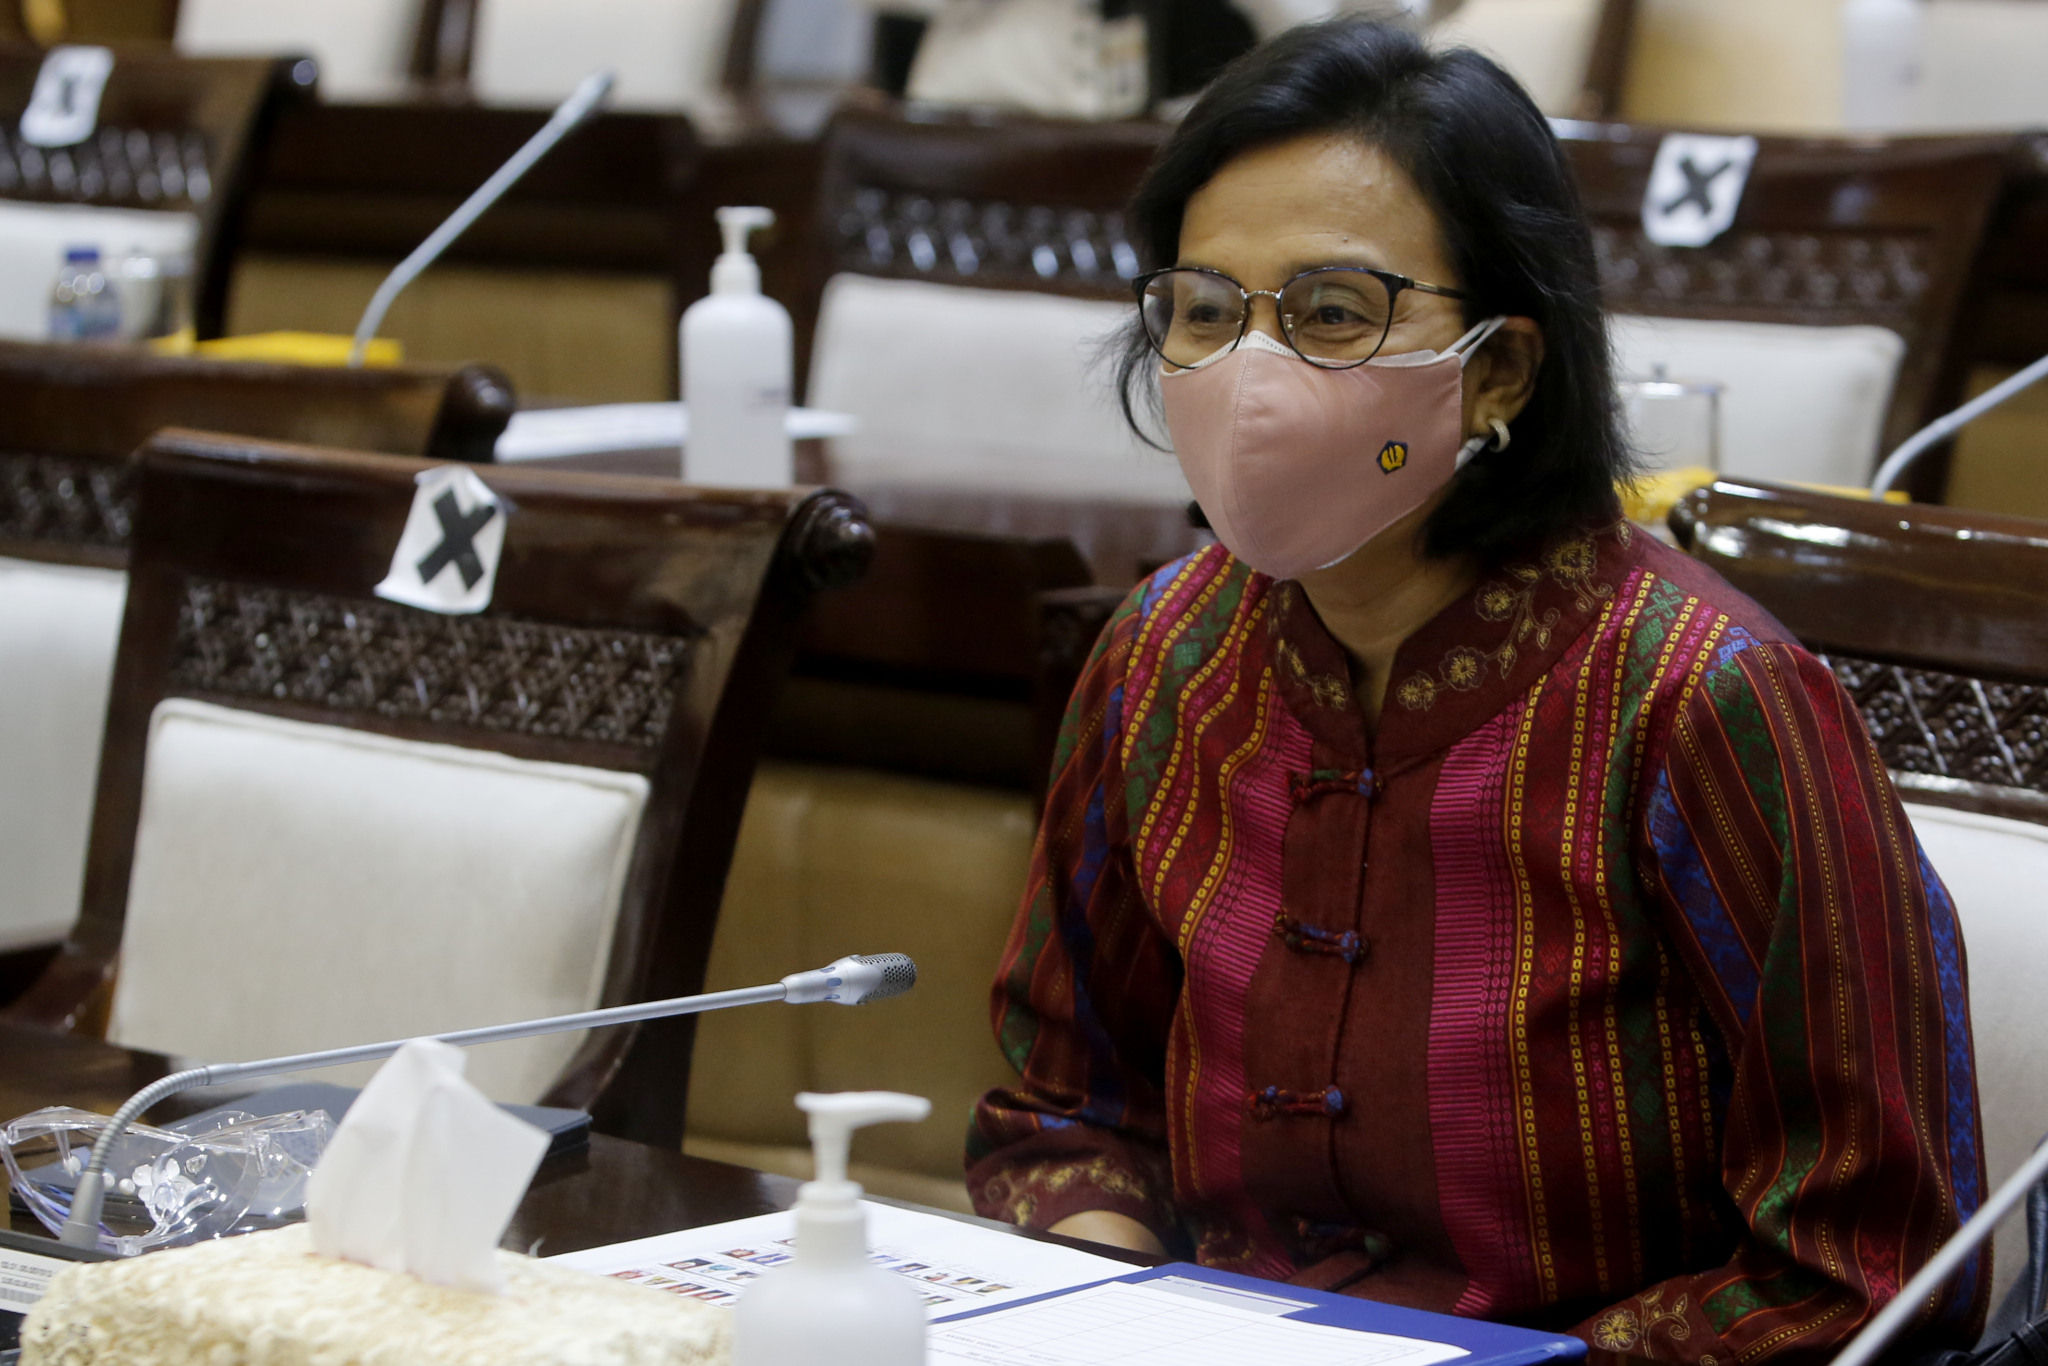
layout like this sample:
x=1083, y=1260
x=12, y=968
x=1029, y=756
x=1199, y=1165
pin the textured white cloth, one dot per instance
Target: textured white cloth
x=266, y=1299
x=58, y=627
x=300, y=887
x=1995, y=868
x=1804, y=404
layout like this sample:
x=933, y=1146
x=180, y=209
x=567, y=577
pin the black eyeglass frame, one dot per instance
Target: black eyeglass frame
x=1393, y=281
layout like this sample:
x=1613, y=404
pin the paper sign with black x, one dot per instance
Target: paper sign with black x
x=1695, y=187
x=64, y=107
x=447, y=556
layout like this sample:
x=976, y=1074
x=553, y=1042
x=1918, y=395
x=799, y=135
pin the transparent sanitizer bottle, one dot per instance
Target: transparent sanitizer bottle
x=829, y=1303
x=735, y=345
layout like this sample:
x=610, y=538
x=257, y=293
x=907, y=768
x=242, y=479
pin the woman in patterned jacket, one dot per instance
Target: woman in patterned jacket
x=1447, y=894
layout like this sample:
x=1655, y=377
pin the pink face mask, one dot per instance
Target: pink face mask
x=1296, y=466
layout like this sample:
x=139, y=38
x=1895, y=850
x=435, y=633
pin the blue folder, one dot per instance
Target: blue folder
x=1490, y=1344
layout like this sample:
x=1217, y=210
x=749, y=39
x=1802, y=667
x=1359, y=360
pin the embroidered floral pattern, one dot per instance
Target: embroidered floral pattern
x=1622, y=1328
x=1512, y=600
x=1328, y=691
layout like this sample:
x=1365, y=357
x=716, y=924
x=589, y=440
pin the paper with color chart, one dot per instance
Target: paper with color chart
x=957, y=1265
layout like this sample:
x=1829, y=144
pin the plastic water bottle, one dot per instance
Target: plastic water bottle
x=84, y=303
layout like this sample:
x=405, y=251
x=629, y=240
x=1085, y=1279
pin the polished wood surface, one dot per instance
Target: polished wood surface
x=613, y=1191
x=1935, y=619
x=72, y=417
x=206, y=114
x=250, y=585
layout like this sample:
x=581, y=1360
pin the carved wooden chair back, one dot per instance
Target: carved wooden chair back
x=1829, y=232
x=1936, y=622
x=953, y=658
x=71, y=417
x=631, y=646
x=177, y=134
x=966, y=272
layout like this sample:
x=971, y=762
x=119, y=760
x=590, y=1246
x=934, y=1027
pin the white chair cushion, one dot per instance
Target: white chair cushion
x=1994, y=869
x=1982, y=66
x=301, y=886
x=1544, y=44
x=1804, y=404
x=980, y=388
x=666, y=55
x=363, y=48
x=34, y=238
x=58, y=628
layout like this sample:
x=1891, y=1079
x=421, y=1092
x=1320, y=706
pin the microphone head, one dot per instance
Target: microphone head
x=899, y=974
x=853, y=980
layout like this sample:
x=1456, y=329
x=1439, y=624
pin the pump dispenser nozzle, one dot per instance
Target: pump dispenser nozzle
x=835, y=1115
x=736, y=272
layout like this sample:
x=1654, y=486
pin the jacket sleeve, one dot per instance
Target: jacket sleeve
x=1083, y=998
x=1829, y=955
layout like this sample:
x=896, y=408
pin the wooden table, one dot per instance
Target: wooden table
x=610, y=1192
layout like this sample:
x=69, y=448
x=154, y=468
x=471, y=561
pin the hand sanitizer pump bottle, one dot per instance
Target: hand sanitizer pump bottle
x=735, y=345
x=829, y=1303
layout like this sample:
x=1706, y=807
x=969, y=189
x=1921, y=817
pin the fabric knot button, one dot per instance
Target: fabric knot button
x=1349, y=945
x=1320, y=782
x=1321, y=1238
x=1271, y=1102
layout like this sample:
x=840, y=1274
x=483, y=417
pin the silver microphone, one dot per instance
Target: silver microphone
x=854, y=980
x=851, y=980
x=583, y=101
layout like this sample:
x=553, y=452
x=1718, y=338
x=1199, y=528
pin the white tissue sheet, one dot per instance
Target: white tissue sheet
x=423, y=1174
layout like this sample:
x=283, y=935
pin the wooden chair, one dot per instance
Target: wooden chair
x=636, y=634
x=1830, y=232
x=174, y=134
x=1936, y=621
x=70, y=420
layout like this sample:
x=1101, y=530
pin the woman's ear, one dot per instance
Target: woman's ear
x=1501, y=375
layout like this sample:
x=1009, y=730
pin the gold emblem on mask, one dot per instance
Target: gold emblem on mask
x=1393, y=455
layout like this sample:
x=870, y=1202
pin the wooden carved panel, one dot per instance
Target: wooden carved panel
x=486, y=672
x=57, y=500
x=1852, y=278
x=879, y=232
x=1951, y=725
x=131, y=167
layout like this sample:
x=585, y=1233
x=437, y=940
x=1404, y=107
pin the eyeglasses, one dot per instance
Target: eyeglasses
x=1333, y=316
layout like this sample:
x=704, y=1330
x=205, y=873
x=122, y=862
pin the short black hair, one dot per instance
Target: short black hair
x=1486, y=161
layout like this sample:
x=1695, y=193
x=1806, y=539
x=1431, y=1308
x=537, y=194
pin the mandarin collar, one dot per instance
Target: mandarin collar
x=1464, y=664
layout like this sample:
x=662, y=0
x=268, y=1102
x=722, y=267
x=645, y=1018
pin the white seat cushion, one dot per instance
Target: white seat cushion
x=1982, y=67
x=1544, y=44
x=34, y=238
x=302, y=886
x=1994, y=869
x=1799, y=404
x=980, y=388
x=58, y=628
x=363, y=48
x=666, y=55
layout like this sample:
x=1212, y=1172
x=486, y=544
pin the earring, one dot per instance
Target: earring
x=1500, y=433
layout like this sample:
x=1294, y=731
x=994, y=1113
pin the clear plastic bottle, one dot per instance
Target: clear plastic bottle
x=85, y=304
x=736, y=371
x=829, y=1303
